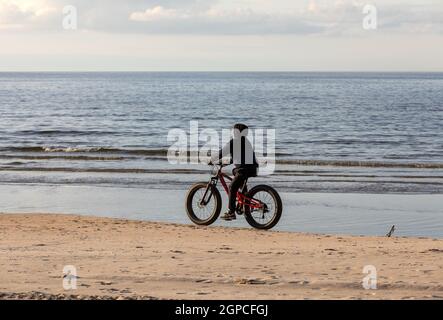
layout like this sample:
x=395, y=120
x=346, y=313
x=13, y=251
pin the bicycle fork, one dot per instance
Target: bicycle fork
x=211, y=183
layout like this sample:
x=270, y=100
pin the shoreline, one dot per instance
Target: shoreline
x=214, y=226
x=414, y=215
x=127, y=259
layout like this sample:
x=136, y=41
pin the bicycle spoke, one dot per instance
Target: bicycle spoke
x=260, y=215
x=203, y=212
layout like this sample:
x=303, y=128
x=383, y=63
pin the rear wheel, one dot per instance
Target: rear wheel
x=270, y=213
x=203, y=211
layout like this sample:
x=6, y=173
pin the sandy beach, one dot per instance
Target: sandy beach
x=123, y=259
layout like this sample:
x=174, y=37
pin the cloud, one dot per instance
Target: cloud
x=340, y=17
x=155, y=14
x=225, y=17
x=215, y=20
x=17, y=14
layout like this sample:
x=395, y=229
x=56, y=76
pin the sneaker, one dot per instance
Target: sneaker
x=228, y=216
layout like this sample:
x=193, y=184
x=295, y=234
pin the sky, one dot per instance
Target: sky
x=221, y=35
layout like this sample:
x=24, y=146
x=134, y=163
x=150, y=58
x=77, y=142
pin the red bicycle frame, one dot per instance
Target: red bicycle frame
x=242, y=199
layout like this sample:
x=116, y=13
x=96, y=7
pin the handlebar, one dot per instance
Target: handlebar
x=216, y=168
x=222, y=165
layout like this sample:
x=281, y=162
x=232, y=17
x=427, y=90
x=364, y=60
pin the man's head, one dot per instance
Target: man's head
x=240, y=130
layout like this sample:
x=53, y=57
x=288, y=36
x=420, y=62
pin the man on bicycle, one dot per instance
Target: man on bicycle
x=242, y=155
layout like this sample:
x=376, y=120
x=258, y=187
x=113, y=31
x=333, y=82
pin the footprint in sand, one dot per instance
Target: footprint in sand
x=301, y=282
x=125, y=291
x=427, y=271
x=268, y=271
x=203, y=281
x=251, y=281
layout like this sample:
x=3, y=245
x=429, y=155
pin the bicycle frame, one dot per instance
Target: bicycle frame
x=242, y=199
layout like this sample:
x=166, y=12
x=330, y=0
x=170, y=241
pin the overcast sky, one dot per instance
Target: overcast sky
x=227, y=35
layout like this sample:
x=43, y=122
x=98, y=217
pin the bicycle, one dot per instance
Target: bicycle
x=261, y=206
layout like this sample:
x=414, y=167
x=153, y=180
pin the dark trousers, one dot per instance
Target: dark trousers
x=240, y=176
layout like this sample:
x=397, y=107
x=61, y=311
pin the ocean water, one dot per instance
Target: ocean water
x=343, y=132
x=379, y=133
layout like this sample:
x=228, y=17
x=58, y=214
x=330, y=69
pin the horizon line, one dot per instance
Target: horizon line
x=219, y=71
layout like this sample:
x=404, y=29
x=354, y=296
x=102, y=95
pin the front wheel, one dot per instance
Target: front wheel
x=269, y=214
x=203, y=204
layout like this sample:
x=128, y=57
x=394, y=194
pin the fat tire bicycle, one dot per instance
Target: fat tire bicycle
x=261, y=206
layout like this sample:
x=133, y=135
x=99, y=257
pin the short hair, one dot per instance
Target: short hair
x=241, y=127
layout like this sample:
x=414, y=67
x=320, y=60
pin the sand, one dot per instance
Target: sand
x=121, y=259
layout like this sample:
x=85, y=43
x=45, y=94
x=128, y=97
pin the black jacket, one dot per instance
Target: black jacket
x=241, y=153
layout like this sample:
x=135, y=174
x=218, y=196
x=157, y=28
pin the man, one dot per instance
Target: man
x=243, y=157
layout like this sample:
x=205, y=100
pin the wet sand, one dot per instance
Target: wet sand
x=123, y=259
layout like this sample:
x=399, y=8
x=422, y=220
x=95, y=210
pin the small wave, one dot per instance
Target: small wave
x=104, y=170
x=353, y=163
x=105, y=153
x=141, y=152
x=14, y=163
x=38, y=149
x=64, y=132
x=65, y=157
